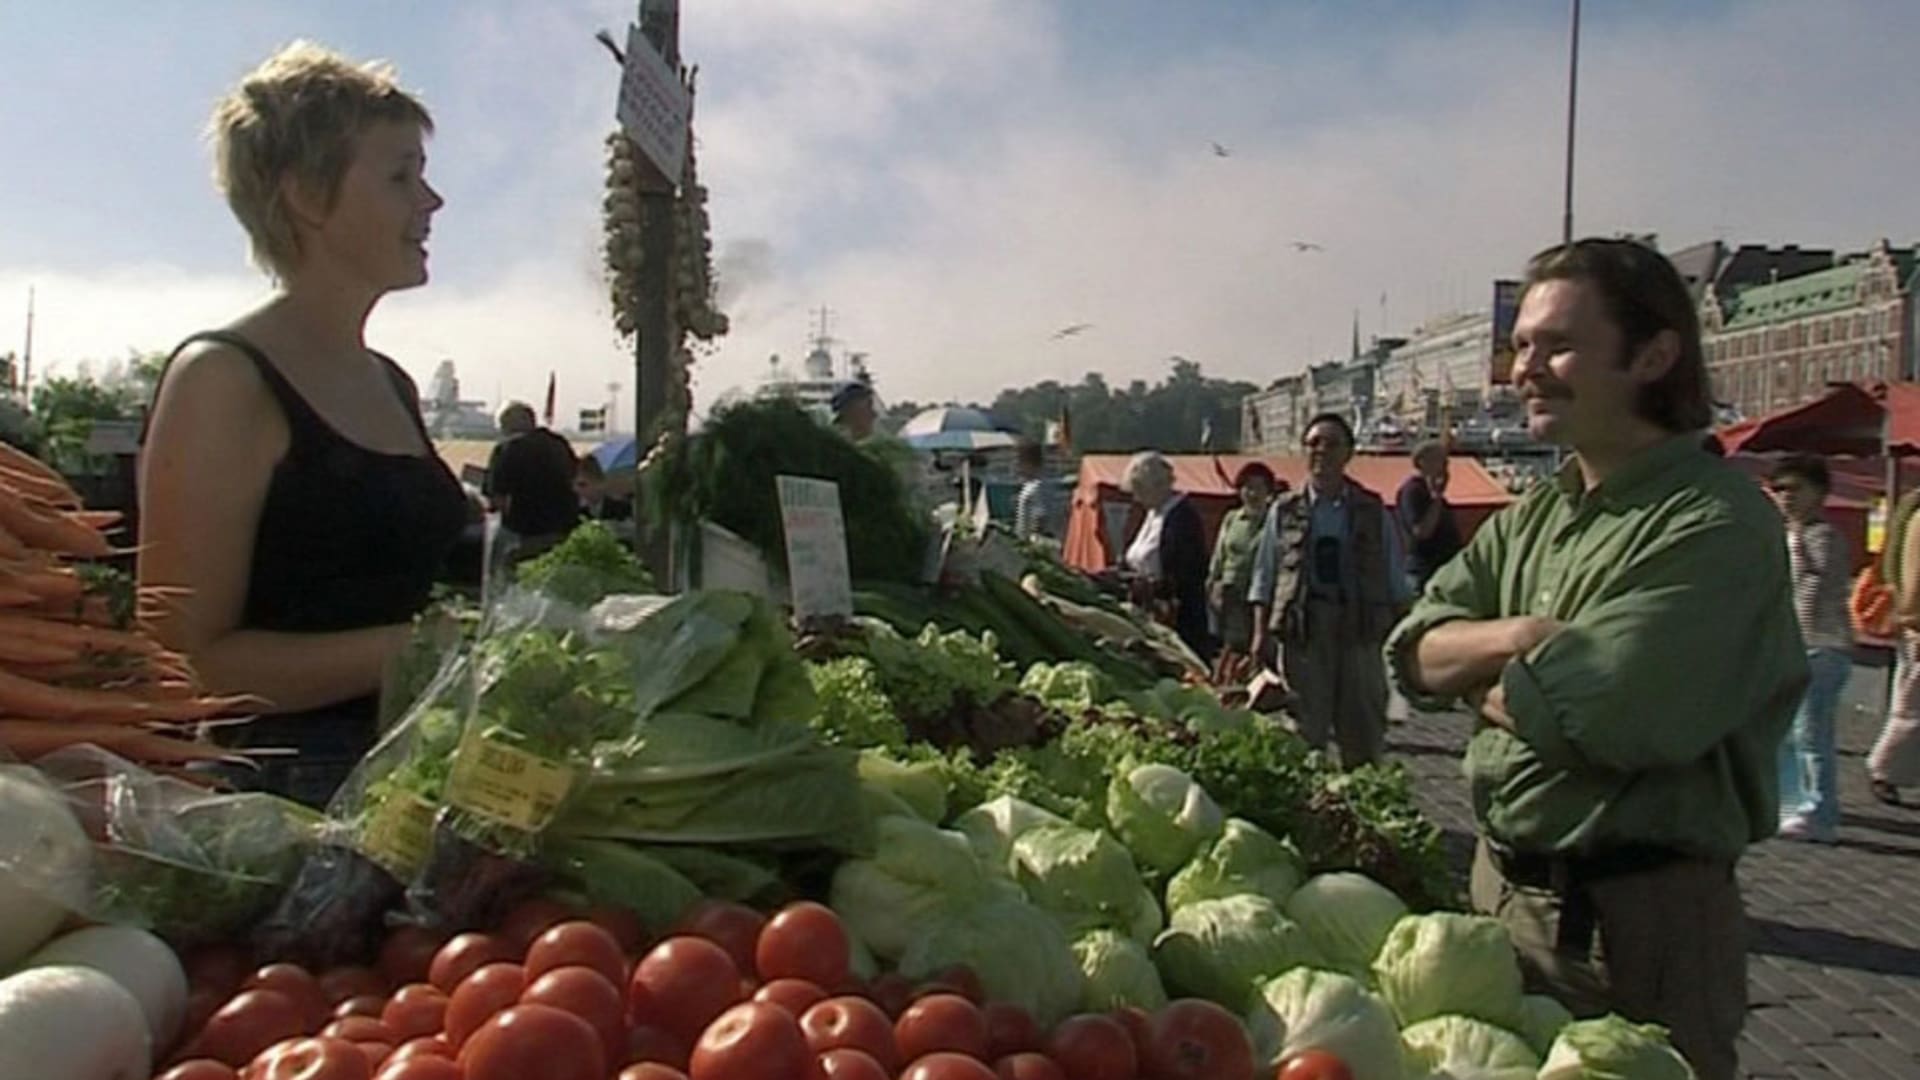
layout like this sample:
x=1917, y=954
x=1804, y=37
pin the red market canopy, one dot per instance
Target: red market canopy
x=1850, y=419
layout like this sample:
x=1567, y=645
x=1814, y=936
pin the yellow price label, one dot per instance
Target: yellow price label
x=399, y=834
x=506, y=784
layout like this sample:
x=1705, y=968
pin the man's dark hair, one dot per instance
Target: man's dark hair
x=1644, y=296
x=1254, y=470
x=1809, y=469
x=1032, y=454
x=589, y=467
x=1336, y=420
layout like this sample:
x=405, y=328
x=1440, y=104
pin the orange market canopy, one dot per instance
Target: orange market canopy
x=1103, y=516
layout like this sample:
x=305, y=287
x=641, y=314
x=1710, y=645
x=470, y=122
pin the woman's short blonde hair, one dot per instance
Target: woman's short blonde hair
x=1144, y=464
x=296, y=117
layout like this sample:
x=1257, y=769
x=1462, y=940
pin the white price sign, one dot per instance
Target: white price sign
x=655, y=107
x=816, y=546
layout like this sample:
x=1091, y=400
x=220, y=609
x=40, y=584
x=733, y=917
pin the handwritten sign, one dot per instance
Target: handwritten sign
x=654, y=108
x=816, y=546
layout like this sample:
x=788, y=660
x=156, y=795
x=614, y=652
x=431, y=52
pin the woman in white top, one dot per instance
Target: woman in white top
x=1168, y=555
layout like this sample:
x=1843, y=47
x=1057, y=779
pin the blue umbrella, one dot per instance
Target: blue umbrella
x=968, y=441
x=615, y=455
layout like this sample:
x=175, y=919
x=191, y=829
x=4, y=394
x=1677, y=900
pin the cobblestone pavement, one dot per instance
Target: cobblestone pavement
x=1834, y=968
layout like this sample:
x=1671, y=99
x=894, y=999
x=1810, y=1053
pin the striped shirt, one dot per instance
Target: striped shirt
x=1039, y=510
x=1819, y=557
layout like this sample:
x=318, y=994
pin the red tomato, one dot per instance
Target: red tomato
x=940, y=1022
x=363, y=1005
x=534, y=1041
x=945, y=1066
x=407, y=955
x=586, y=994
x=652, y=1046
x=577, y=943
x=343, y=983
x=851, y=1023
x=531, y=919
x=202, y=1003
x=424, y=1046
x=804, y=941
x=312, y=1059
x=847, y=1063
x=200, y=1069
x=464, y=955
x=248, y=1024
x=358, y=1029
x=415, y=1010
x=1093, y=1048
x=376, y=1052
x=682, y=985
x=624, y=925
x=734, y=927
x=1139, y=1025
x=754, y=1041
x=1028, y=1066
x=794, y=995
x=484, y=994
x=1314, y=1065
x=892, y=992
x=215, y=967
x=1197, y=1040
x=1010, y=1030
x=653, y=1070
x=420, y=1068
x=297, y=983
x=958, y=979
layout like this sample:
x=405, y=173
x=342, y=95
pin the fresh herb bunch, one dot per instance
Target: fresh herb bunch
x=725, y=475
x=588, y=566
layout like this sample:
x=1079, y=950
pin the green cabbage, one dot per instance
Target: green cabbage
x=1612, y=1048
x=1541, y=1021
x=1245, y=859
x=1119, y=972
x=1020, y=953
x=916, y=873
x=1077, y=873
x=1163, y=816
x=1312, y=1009
x=1445, y=963
x=1348, y=916
x=993, y=826
x=1221, y=949
x=918, y=787
x=1462, y=1048
x=1072, y=687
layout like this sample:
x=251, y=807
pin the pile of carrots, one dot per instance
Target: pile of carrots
x=78, y=662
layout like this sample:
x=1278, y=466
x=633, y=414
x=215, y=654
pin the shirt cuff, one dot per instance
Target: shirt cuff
x=1535, y=721
x=1399, y=653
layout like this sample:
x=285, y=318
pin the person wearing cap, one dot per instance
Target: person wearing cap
x=854, y=410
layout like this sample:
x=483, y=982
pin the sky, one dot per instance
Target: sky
x=958, y=179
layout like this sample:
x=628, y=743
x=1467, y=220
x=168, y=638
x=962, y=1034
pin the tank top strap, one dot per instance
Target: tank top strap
x=304, y=425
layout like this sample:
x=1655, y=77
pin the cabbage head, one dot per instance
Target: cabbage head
x=916, y=871
x=1071, y=687
x=1462, y=1048
x=993, y=826
x=1020, y=953
x=1222, y=949
x=1163, y=816
x=1119, y=972
x=1541, y=1021
x=1612, y=1048
x=1313, y=1009
x=1449, y=964
x=1077, y=873
x=1245, y=859
x=1348, y=916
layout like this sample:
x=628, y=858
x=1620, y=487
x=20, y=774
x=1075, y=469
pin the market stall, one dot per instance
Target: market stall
x=1103, y=517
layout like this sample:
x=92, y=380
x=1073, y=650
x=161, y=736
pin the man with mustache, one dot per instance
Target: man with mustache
x=1626, y=634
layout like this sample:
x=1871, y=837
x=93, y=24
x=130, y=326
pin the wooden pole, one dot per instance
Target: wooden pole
x=654, y=335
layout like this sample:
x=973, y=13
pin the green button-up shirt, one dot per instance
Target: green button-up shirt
x=1654, y=715
x=1233, y=550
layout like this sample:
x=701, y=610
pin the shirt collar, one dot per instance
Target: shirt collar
x=1639, y=469
x=1314, y=494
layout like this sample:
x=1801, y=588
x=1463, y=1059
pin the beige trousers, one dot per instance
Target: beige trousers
x=1669, y=947
x=1339, y=684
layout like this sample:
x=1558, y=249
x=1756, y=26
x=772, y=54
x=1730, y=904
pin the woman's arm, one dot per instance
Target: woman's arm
x=215, y=439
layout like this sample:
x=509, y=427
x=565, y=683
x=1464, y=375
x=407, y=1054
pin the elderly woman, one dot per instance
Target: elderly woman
x=1230, y=575
x=288, y=488
x=1167, y=558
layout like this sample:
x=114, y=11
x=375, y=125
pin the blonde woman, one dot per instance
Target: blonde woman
x=1167, y=557
x=287, y=483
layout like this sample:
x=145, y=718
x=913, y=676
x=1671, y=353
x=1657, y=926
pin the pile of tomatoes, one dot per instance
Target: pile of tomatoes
x=730, y=995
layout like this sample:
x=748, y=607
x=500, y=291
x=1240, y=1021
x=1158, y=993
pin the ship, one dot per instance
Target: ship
x=821, y=374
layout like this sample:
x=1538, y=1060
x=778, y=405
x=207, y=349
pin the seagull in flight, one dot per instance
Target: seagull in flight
x=1221, y=151
x=1070, y=331
x=1306, y=245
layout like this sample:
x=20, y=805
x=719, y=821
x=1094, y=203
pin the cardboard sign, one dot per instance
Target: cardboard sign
x=654, y=108
x=816, y=546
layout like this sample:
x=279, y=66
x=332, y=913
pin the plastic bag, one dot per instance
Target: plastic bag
x=191, y=865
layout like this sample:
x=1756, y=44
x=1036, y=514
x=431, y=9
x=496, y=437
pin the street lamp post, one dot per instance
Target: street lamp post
x=1573, y=88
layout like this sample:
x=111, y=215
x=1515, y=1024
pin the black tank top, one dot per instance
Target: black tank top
x=349, y=538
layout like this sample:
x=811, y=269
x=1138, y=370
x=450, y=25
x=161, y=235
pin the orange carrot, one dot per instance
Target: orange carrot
x=49, y=531
x=48, y=583
x=80, y=636
x=21, y=650
x=12, y=596
x=20, y=461
x=35, y=738
x=97, y=519
x=10, y=545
